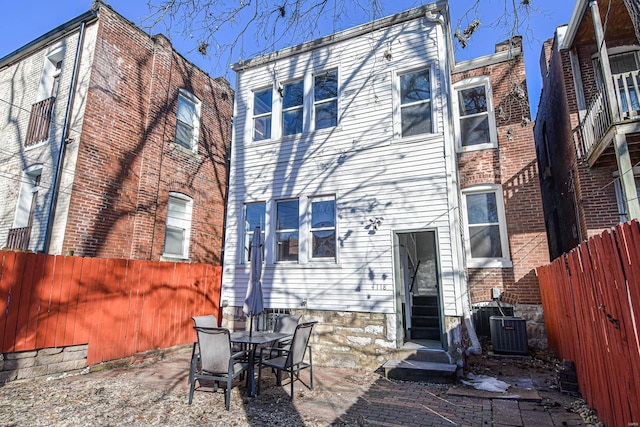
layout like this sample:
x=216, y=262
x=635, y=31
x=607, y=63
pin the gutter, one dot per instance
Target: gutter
x=574, y=23
x=65, y=134
x=47, y=38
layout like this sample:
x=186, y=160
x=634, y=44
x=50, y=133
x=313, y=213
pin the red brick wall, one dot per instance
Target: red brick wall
x=127, y=163
x=513, y=165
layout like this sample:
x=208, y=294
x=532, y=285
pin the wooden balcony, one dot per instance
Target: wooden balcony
x=19, y=238
x=595, y=133
x=39, y=121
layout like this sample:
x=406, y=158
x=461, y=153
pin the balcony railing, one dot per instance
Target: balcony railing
x=39, y=121
x=599, y=118
x=19, y=238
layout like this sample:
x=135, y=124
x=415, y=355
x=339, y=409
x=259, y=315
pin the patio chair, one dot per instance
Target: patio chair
x=208, y=321
x=217, y=363
x=286, y=323
x=290, y=360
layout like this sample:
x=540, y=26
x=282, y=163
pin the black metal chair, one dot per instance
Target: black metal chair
x=291, y=360
x=217, y=362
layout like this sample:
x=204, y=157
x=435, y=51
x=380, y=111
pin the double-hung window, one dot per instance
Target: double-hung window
x=323, y=228
x=325, y=99
x=292, y=107
x=187, y=120
x=287, y=230
x=178, y=226
x=254, y=216
x=486, y=231
x=262, y=107
x=473, y=105
x=415, y=103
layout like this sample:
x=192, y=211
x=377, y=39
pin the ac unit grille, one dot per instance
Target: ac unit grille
x=509, y=335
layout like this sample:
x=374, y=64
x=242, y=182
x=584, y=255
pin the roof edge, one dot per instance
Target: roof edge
x=47, y=38
x=574, y=23
x=407, y=15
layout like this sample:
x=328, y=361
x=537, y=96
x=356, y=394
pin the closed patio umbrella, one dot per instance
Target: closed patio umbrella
x=253, y=303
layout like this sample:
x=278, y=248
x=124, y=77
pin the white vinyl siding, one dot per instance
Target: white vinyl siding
x=360, y=162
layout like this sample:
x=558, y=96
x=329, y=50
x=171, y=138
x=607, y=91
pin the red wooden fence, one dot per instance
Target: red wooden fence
x=118, y=307
x=591, y=300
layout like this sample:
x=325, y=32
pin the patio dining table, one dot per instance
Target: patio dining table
x=253, y=340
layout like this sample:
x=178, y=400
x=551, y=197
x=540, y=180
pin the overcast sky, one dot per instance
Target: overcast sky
x=25, y=20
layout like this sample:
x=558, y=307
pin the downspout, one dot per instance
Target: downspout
x=63, y=141
x=430, y=16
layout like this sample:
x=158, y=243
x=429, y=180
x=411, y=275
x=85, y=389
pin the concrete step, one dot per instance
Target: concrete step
x=420, y=371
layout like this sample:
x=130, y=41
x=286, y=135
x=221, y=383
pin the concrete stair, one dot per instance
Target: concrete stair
x=431, y=366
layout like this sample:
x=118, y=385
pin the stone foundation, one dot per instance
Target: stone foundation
x=536, y=330
x=347, y=339
x=42, y=362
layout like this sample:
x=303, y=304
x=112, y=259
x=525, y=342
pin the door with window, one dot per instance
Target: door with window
x=418, y=288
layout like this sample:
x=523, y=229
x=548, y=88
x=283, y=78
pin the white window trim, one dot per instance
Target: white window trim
x=25, y=196
x=493, y=132
x=302, y=107
x=187, y=237
x=397, y=104
x=274, y=121
x=309, y=231
x=505, y=261
x=49, y=72
x=196, y=119
x=313, y=102
x=276, y=231
x=249, y=232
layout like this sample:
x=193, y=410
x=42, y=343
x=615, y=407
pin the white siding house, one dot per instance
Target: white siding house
x=343, y=153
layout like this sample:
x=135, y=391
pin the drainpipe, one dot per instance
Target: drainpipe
x=438, y=18
x=63, y=141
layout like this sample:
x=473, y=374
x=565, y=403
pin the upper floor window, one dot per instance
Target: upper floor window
x=325, y=97
x=323, y=228
x=26, y=206
x=262, y=107
x=486, y=229
x=178, y=226
x=187, y=120
x=473, y=106
x=51, y=71
x=254, y=216
x=415, y=115
x=287, y=226
x=624, y=63
x=292, y=107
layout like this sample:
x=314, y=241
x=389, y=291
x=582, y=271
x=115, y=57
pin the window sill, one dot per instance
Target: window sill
x=173, y=258
x=489, y=263
x=36, y=145
x=298, y=136
x=181, y=149
x=418, y=138
x=487, y=146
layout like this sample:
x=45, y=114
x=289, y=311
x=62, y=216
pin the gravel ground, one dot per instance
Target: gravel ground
x=154, y=394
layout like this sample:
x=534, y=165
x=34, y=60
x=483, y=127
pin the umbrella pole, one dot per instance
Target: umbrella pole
x=250, y=325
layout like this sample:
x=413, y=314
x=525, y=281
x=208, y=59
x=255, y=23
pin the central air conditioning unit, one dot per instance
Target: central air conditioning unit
x=509, y=335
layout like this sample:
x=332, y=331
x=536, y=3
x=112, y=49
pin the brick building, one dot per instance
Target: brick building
x=587, y=130
x=114, y=145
